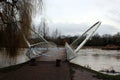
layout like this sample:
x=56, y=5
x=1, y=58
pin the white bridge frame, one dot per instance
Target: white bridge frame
x=73, y=53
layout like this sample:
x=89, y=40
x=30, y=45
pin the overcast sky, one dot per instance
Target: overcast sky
x=73, y=17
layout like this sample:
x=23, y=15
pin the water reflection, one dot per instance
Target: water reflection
x=98, y=59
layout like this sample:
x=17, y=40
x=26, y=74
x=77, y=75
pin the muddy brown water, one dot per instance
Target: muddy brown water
x=98, y=59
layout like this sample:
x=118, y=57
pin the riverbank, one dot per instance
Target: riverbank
x=49, y=67
x=84, y=73
x=42, y=70
x=12, y=68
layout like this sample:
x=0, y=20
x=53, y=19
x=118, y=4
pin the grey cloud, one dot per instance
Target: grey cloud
x=70, y=29
x=114, y=15
x=76, y=29
x=107, y=29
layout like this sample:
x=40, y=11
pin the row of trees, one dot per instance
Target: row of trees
x=96, y=40
x=104, y=40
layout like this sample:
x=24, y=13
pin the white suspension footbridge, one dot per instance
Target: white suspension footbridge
x=72, y=53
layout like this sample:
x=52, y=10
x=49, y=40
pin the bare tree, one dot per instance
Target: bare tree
x=43, y=29
x=14, y=13
x=56, y=34
x=9, y=26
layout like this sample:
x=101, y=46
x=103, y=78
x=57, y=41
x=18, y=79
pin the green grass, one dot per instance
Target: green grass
x=98, y=74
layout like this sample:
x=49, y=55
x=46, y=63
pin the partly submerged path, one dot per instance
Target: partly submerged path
x=42, y=71
x=44, y=68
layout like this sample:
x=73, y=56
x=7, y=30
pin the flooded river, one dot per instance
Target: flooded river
x=51, y=55
x=20, y=58
x=98, y=59
x=95, y=59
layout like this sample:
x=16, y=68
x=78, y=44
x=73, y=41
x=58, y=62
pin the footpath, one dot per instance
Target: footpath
x=42, y=68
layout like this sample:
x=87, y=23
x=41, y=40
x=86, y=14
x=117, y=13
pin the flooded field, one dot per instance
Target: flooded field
x=99, y=60
x=50, y=55
x=6, y=61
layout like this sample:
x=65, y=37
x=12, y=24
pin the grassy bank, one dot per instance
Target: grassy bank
x=98, y=74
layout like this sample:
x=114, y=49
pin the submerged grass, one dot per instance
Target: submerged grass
x=98, y=74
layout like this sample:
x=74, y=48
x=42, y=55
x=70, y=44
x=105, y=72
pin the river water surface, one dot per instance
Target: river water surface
x=98, y=59
x=6, y=61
